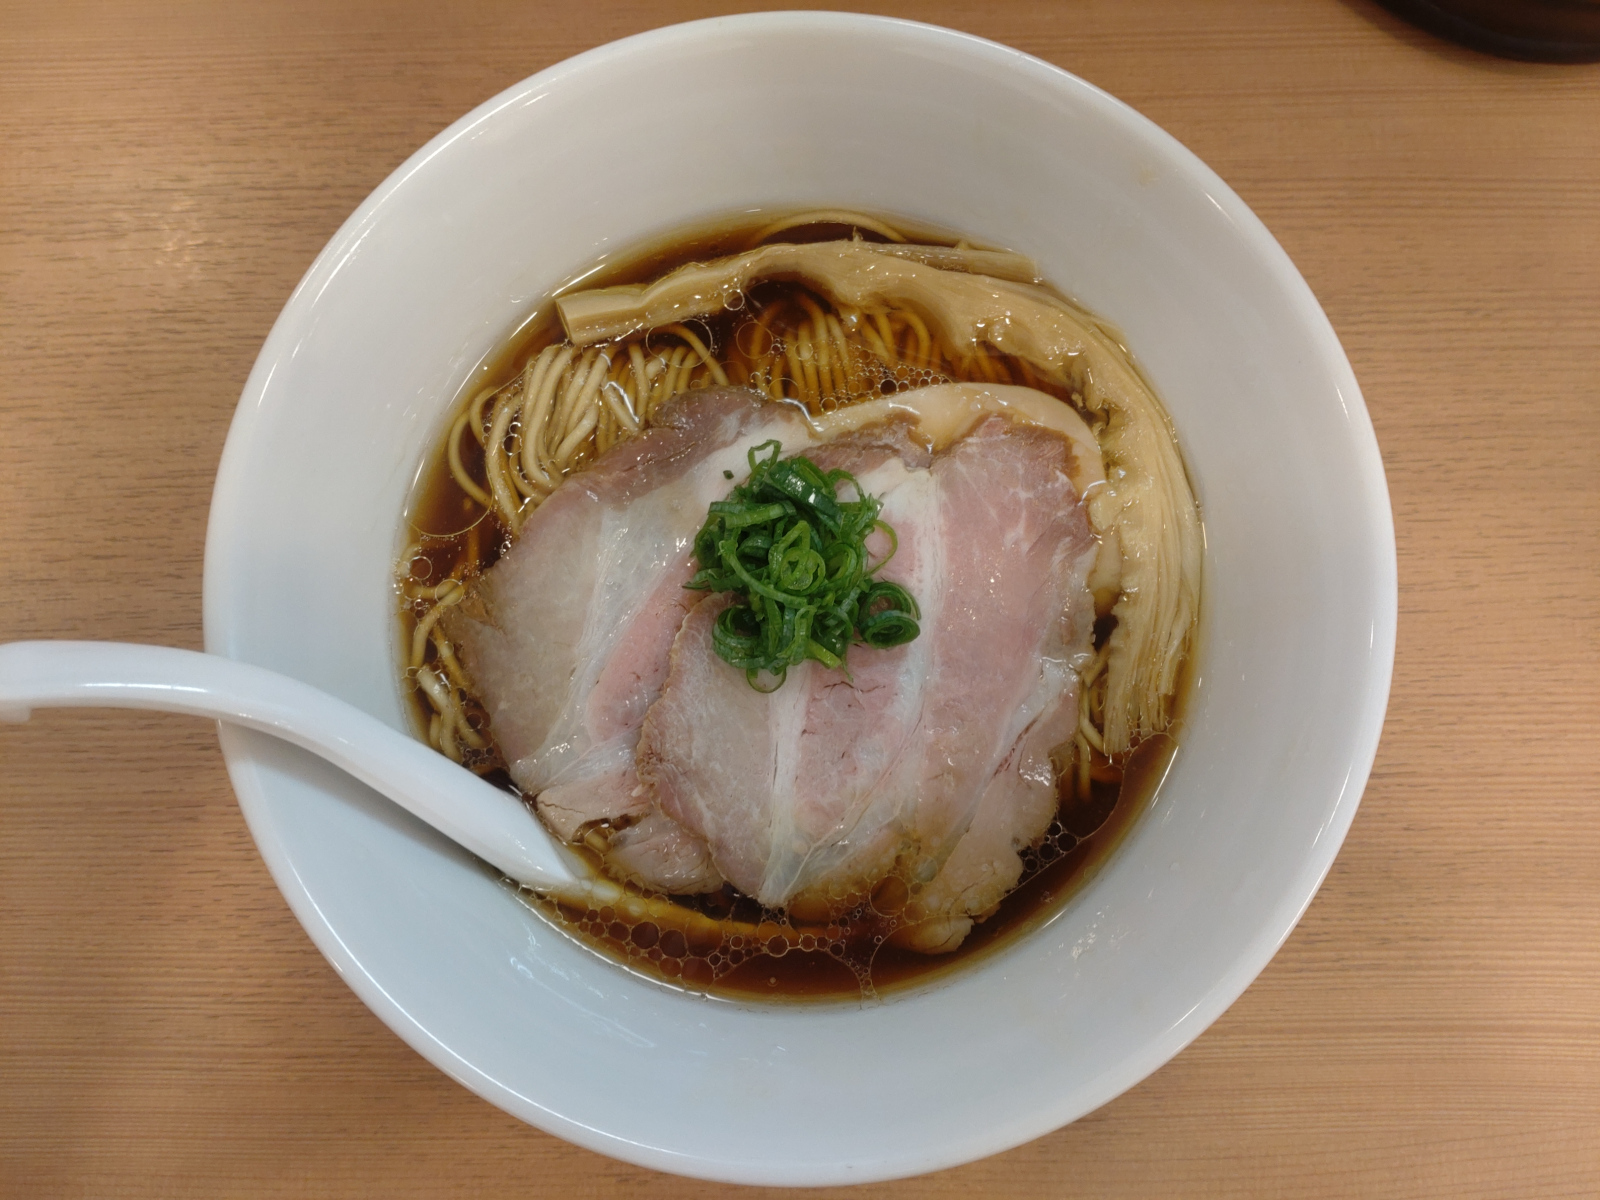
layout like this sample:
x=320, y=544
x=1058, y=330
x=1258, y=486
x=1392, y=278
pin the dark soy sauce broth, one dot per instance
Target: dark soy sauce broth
x=848, y=958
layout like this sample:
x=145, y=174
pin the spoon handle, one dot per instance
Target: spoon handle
x=491, y=823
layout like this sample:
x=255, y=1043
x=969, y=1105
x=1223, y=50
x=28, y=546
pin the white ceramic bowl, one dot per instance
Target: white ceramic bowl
x=778, y=111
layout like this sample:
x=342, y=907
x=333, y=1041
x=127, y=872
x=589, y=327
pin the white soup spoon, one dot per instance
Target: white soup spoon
x=493, y=824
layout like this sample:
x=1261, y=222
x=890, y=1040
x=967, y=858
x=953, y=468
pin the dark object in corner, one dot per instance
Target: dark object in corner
x=1531, y=30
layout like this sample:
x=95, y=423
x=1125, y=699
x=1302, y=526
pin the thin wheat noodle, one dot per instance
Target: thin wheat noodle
x=599, y=366
x=452, y=717
x=924, y=341
x=565, y=412
x=797, y=374
x=741, y=335
x=890, y=352
x=581, y=415
x=526, y=488
x=535, y=410
x=425, y=591
x=672, y=383
x=699, y=348
x=434, y=689
x=811, y=330
x=686, y=370
x=849, y=357
x=624, y=415
x=419, y=635
x=839, y=352
x=875, y=344
x=831, y=385
x=452, y=666
x=573, y=386
x=662, y=392
x=774, y=370
x=584, y=428
x=605, y=426
x=476, y=409
x=457, y=469
x=764, y=322
x=853, y=383
x=458, y=678
x=494, y=466
x=830, y=370
x=812, y=360
x=640, y=379
x=655, y=370
x=549, y=397
x=447, y=737
x=448, y=716
x=806, y=353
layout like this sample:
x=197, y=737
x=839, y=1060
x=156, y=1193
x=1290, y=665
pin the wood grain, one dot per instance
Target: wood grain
x=167, y=172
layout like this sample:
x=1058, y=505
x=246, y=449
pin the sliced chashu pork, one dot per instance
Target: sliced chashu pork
x=812, y=796
x=780, y=826
x=567, y=637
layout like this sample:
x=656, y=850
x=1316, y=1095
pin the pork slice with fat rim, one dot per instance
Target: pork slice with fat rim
x=1029, y=672
x=1017, y=622
x=783, y=785
x=567, y=636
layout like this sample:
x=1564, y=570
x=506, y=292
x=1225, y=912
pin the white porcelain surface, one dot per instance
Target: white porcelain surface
x=782, y=110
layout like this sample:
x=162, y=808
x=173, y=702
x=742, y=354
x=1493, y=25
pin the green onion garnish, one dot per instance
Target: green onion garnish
x=795, y=557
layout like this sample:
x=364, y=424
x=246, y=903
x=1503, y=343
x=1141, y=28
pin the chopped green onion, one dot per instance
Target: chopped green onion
x=794, y=556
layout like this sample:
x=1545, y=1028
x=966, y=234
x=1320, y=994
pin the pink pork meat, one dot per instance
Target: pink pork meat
x=567, y=636
x=931, y=763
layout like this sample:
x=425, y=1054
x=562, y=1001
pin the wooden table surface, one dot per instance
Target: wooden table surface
x=167, y=172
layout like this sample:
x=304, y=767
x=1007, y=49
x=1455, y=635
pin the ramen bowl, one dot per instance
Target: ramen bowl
x=431, y=276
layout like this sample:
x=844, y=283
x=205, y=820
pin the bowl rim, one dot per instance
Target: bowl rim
x=228, y=504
